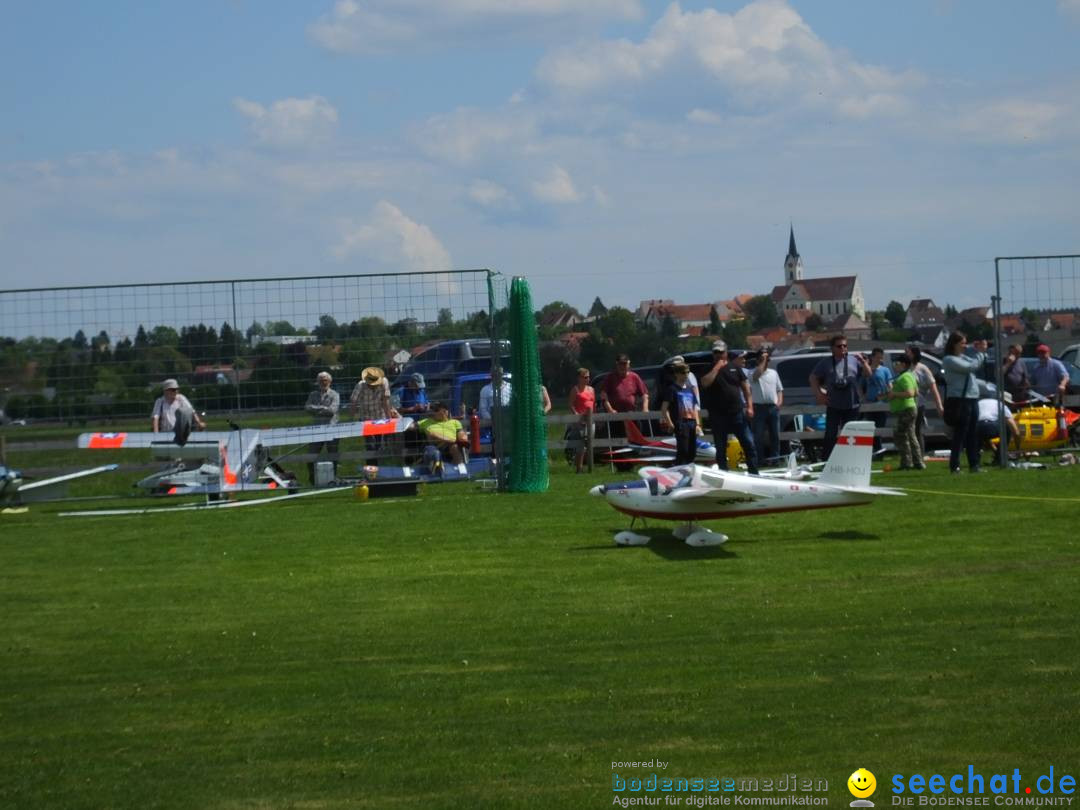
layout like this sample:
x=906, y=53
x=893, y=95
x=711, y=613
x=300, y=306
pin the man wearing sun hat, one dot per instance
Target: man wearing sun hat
x=171, y=401
x=370, y=397
x=1048, y=375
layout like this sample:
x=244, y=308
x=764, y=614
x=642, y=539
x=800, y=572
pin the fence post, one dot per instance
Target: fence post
x=588, y=437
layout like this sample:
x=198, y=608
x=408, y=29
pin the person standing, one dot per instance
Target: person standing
x=767, y=393
x=370, y=397
x=582, y=404
x=414, y=395
x=927, y=388
x=876, y=388
x=962, y=400
x=168, y=405
x=901, y=397
x=680, y=413
x=1049, y=376
x=323, y=404
x=621, y=392
x=834, y=382
x=1017, y=383
x=487, y=395
x=731, y=407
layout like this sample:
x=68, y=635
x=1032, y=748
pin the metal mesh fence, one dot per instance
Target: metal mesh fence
x=101, y=352
x=1037, y=300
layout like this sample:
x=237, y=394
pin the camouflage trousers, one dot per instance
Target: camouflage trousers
x=907, y=443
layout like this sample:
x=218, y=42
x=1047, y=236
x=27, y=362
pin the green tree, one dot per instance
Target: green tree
x=597, y=309
x=716, y=326
x=162, y=336
x=814, y=322
x=736, y=331
x=894, y=314
x=762, y=312
x=668, y=328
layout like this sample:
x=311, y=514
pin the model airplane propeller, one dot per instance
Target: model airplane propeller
x=692, y=493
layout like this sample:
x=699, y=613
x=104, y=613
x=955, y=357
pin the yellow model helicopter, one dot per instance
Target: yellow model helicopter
x=1044, y=427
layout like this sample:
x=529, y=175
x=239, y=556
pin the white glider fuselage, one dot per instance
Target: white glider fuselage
x=694, y=493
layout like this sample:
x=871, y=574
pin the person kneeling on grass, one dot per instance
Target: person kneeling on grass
x=445, y=433
x=902, y=405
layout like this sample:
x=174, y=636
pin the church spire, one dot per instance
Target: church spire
x=793, y=266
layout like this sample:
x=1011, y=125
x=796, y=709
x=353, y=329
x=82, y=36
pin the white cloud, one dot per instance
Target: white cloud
x=383, y=25
x=557, y=188
x=764, y=53
x=466, y=134
x=1070, y=8
x=290, y=122
x=392, y=238
x=491, y=195
x=1013, y=121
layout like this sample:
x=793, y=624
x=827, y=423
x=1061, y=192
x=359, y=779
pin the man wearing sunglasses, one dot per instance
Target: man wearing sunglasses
x=835, y=383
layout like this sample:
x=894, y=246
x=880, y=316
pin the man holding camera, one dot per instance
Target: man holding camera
x=835, y=384
x=726, y=393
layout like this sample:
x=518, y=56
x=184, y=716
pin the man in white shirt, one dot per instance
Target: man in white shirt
x=487, y=395
x=163, y=417
x=768, y=394
x=988, y=422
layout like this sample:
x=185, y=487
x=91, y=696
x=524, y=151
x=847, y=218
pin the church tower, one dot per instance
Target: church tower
x=793, y=263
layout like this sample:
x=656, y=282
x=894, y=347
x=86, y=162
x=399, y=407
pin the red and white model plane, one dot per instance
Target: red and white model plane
x=692, y=493
x=232, y=460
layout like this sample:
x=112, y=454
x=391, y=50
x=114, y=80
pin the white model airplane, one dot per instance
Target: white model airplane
x=232, y=460
x=15, y=491
x=693, y=493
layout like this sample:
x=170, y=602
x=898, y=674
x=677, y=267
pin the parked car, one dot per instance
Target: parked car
x=1071, y=355
x=450, y=357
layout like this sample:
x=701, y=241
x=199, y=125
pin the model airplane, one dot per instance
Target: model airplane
x=692, y=493
x=14, y=491
x=640, y=448
x=234, y=460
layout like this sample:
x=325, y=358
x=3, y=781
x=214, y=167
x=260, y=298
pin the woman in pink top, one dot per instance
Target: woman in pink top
x=582, y=402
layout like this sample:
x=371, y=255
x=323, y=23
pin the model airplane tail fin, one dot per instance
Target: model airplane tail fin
x=849, y=462
x=633, y=432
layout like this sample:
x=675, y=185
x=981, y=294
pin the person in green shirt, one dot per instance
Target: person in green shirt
x=445, y=433
x=903, y=407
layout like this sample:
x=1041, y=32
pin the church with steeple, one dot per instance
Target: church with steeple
x=835, y=299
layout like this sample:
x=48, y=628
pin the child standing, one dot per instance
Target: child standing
x=903, y=407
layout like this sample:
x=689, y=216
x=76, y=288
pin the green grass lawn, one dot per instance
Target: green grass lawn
x=465, y=649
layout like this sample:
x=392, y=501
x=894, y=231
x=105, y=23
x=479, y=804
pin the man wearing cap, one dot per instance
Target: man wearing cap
x=1048, y=376
x=731, y=407
x=168, y=404
x=414, y=396
x=323, y=403
x=768, y=396
x=486, y=405
x=988, y=427
x=370, y=398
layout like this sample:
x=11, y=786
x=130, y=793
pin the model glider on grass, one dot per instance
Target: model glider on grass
x=692, y=493
x=231, y=461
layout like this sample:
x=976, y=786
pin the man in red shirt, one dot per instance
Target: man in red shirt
x=621, y=390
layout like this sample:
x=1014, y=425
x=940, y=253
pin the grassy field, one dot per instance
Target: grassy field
x=466, y=649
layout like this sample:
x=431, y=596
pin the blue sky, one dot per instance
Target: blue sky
x=623, y=148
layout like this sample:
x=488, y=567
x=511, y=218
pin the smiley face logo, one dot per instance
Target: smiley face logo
x=861, y=783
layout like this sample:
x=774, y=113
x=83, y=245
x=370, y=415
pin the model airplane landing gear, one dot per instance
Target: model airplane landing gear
x=705, y=537
x=697, y=536
x=629, y=538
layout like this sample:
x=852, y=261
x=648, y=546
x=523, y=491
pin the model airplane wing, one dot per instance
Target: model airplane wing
x=127, y=441
x=321, y=433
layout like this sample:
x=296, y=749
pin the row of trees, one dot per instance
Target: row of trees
x=95, y=376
